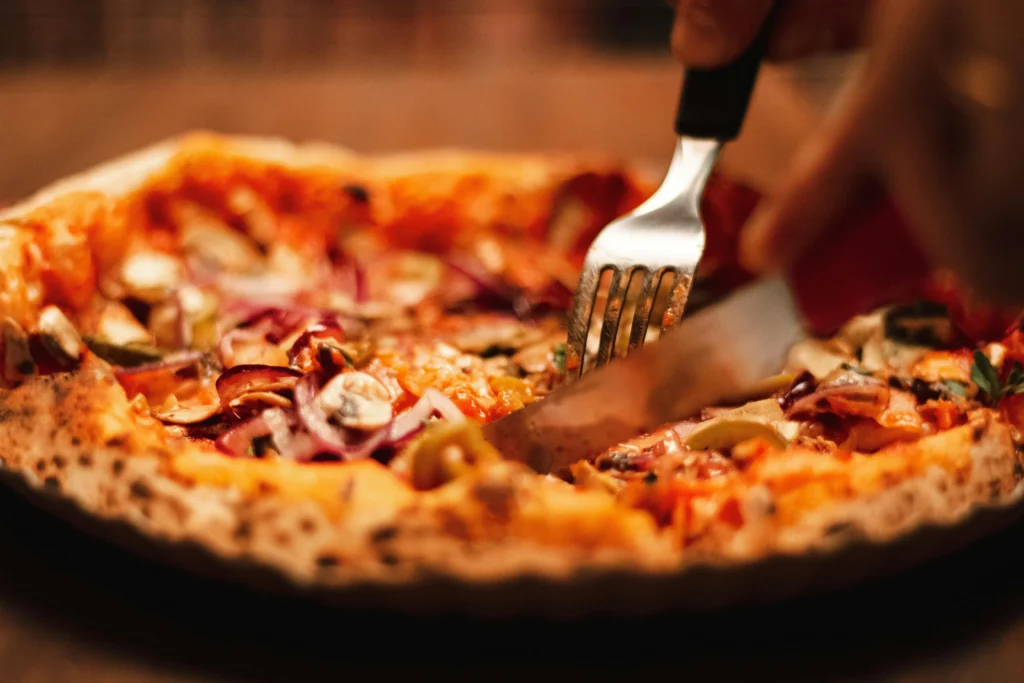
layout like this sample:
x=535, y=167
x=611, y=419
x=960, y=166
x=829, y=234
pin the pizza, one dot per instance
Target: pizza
x=284, y=353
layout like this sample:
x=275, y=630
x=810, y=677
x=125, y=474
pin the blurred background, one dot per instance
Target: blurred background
x=84, y=80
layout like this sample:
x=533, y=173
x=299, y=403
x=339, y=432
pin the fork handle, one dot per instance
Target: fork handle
x=714, y=102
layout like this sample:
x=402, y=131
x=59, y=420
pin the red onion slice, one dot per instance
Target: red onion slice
x=236, y=441
x=410, y=422
x=487, y=284
x=326, y=328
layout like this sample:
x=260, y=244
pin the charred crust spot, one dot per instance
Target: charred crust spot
x=118, y=467
x=282, y=538
x=40, y=466
x=52, y=483
x=496, y=497
x=116, y=442
x=453, y=525
x=995, y=487
x=85, y=460
x=327, y=561
x=384, y=534
x=243, y=531
x=357, y=192
x=140, y=489
x=389, y=559
x=6, y=414
x=977, y=433
x=265, y=488
x=307, y=525
x=75, y=441
x=59, y=462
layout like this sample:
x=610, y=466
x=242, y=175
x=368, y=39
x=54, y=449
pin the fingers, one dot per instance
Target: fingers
x=712, y=33
x=831, y=173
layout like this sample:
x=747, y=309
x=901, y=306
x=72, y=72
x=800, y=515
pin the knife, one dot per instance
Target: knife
x=722, y=350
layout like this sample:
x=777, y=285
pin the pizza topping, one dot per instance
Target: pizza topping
x=243, y=386
x=193, y=413
x=150, y=276
x=446, y=451
x=211, y=243
x=357, y=401
x=329, y=437
x=723, y=433
x=415, y=419
x=59, y=337
x=239, y=440
x=844, y=392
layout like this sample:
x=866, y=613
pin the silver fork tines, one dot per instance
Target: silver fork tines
x=663, y=236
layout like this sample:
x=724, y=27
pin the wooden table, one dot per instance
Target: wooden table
x=77, y=611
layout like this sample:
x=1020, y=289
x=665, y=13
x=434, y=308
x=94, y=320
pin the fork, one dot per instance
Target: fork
x=665, y=234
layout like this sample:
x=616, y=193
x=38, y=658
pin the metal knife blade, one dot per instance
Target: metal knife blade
x=717, y=353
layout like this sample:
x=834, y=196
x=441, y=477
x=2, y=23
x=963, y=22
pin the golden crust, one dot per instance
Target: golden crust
x=76, y=435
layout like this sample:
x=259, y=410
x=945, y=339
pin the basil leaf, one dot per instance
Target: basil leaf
x=1015, y=380
x=984, y=375
x=956, y=387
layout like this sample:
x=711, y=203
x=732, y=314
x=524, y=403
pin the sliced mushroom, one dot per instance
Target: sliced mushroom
x=251, y=400
x=817, y=356
x=255, y=213
x=187, y=414
x=357, y=400
x=535, y=358
x=18, y=362
x=197, y=322
x=150, y=276
x=117, y=325
x=204, y=235
x=59, y=336
x=505, y=335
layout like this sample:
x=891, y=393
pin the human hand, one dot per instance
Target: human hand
x=935, y=122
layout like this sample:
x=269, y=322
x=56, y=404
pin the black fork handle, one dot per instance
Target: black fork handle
x=714, y=101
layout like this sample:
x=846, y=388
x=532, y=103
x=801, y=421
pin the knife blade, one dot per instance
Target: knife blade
x=721, y=351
